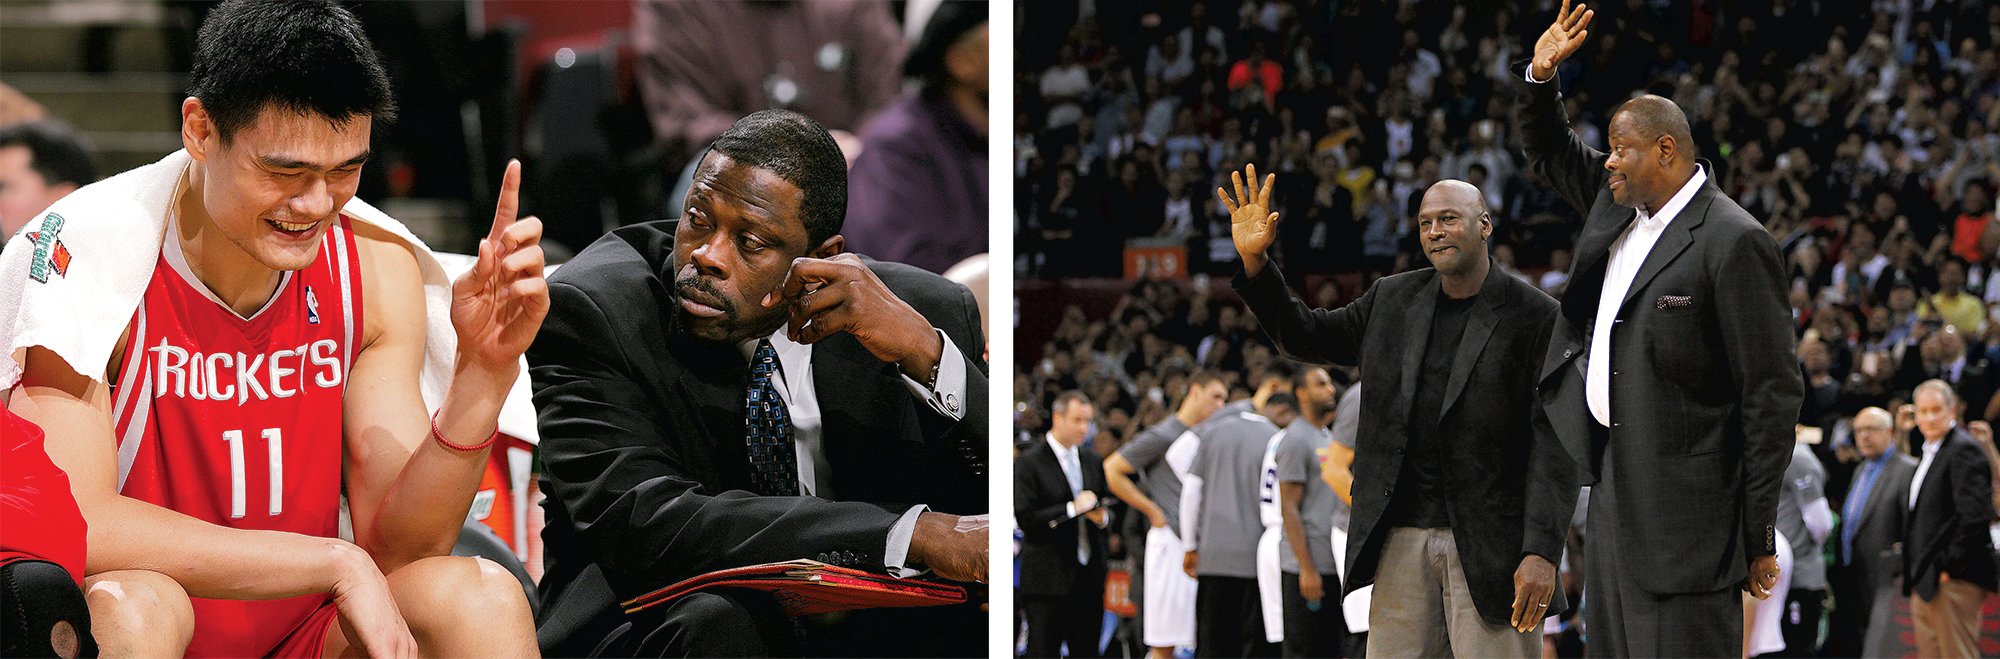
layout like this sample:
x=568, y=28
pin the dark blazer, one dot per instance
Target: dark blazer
x=1705, y=387
x=1048, y=555
x=1880, y=524
x=1946, y=531
x=1515, y=488
x=643, y=439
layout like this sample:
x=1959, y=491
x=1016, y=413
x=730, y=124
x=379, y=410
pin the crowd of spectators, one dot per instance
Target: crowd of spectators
x=1861, y=139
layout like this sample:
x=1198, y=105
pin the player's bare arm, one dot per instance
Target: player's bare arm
x=127, y=535
x=409, y=490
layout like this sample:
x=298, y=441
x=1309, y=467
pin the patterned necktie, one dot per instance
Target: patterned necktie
x=774, y=465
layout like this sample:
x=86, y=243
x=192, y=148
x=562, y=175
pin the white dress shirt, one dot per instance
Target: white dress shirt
x=795, y=386
x=1628, y=253
x=1924, y=467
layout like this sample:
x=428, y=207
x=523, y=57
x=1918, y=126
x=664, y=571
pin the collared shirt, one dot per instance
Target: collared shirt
x=795, y=386
x=1924, y=467
x=1628, y=254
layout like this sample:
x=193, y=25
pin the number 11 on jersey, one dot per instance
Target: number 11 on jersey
x=274, y=443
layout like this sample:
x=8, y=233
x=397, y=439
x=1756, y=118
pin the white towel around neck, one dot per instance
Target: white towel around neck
x=113, y=231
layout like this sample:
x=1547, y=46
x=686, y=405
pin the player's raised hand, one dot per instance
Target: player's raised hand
x=1251, y=223
x=499, y=304
x=1561, y=39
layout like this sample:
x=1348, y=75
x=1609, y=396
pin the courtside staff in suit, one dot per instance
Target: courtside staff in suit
x=732, y=389
x=1062, y=565
x=1671, y=378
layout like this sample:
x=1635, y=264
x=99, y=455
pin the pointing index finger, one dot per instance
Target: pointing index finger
x=509, y=205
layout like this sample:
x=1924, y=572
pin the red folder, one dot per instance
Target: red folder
x=805, y=587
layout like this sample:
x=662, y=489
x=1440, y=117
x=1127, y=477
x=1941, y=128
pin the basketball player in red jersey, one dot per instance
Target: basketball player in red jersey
x=273, y=363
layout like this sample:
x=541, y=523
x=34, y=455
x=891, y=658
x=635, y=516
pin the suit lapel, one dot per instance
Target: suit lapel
x=1678, y=235
x=1478, y=330
x=1417, y=327
x=1593, y=256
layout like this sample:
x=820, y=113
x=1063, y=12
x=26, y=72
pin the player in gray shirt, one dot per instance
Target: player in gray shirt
x=1805, y=519
x=1313, y=623
x=1157, y=456
x=1220, y=526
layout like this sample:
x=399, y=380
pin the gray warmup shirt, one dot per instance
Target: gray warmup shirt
x=1805, y=481
x=1160, y=454
x=1299, y=457
x=1230, y=463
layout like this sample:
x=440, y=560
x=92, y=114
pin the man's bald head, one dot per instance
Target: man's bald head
x=1452, y=225
x=1873, y=432
x=1458, y=193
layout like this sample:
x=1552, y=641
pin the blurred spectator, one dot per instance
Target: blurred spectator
x=917, y=192
x=703, y=64
x=1948, y=566
x=1871, y=523
x=40, y=162
x=16, y=107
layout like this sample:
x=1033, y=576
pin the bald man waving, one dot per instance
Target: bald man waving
x=1462, y=495
x=1671, y=376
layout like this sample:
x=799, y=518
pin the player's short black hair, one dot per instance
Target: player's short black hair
x=801, y=152
x=1304, y=371
x=54, y=151
x=1281, y=400
x=306, y=56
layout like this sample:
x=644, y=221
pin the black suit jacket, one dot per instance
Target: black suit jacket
x=1514, y=487
x=1705, y=387
x=1946, y=531
x=1048, y=555
x=643, y=439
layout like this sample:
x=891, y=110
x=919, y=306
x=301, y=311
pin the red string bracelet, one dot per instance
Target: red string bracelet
x=460, y=447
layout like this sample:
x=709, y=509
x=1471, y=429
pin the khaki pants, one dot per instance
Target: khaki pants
x=1949, y=625
x=1422, y=607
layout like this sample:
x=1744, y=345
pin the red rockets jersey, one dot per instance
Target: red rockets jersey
x=237, y=421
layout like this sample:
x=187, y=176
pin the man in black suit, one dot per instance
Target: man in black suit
x=1671, y=376
x=711, y=397
x=1947, y=553
x=1475, y=493
x=1871, y=523
x=1062, y=553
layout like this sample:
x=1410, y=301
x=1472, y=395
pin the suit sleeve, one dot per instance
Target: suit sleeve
x=1554, y=154
x=1032, y=510
x=1552, y=476
x=1971, y=503
x=621, y=471
x=1757, y=340
x=1318, y=336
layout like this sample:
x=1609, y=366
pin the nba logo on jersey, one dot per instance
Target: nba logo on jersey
x=312, y=306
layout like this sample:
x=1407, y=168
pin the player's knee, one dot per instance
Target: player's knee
x=142, y=604
x=470, y=586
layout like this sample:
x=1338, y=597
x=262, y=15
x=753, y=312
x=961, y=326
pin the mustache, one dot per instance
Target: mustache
x=709, y=294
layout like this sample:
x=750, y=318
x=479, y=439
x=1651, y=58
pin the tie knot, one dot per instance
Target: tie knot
x=765, y=360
